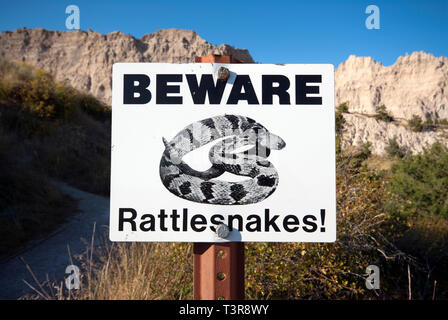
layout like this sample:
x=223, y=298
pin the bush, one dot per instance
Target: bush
x=382, y=114
x=364, y=150
x=424, y=239
x=417, y=195
x=67, y=132
x=14, y=73
x=429, y=124
x=416, y=123
x=35, y=91
x=420, y=183
x=340, y=121
x=342, y=108
x=393, y=149
x=327, y=270
x=442, y=122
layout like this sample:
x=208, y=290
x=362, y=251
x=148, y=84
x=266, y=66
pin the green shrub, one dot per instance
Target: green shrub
x=325, y=270
x=417, y=196
x=365, y=150
x=382, y=114
x=420, y=183
x=429, y=124
x=394, y=149
x=342, y=108
x=443, y=122
x=36, y=91
x=416, y=123
x=340, y=121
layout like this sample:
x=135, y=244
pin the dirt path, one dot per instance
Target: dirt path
x=50, y=256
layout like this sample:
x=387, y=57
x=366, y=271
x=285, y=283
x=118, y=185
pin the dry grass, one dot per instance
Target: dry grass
x=128, y=271
x=377, y=162
x=140, y=271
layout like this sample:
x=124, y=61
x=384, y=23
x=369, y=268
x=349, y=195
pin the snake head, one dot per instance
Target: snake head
x=271, y=141
x=280, y=143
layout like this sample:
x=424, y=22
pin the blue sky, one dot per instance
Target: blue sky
x=274, y=31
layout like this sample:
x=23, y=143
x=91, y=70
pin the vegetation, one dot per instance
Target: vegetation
x=48, y=132
x=417, y=125
x=342, y=108
x=273, y=270
x=430, y=124
x=66, y=133
x=420, y=184
x=441, y=122
x=379, y=222
x=382, y=114
x=417, y=190
x=340, y=122
x=394, y=149
x=325, y=271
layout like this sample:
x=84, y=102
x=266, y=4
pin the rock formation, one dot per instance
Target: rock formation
x=85, y=59
x=414, y=84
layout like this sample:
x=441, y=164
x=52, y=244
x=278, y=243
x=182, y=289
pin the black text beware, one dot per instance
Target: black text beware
x=135, y=89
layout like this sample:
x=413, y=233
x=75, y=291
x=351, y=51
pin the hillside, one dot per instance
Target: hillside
x=85, y=59
x=49, y=132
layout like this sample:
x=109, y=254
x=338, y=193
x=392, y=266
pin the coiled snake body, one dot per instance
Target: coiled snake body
x=238, y=132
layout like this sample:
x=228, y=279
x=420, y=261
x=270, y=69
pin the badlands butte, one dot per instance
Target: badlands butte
x=415, y=84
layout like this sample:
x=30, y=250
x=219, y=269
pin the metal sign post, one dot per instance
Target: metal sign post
x=218, y=272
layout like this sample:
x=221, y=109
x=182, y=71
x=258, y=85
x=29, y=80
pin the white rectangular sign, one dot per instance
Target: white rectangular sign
x=197, y=157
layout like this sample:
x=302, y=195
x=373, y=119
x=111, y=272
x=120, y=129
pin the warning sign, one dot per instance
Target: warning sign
x=223, y=152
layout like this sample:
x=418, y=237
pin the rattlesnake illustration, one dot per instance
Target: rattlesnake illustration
x=237, y=132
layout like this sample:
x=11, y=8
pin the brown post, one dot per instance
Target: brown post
x=218, y=268
x=218, y=271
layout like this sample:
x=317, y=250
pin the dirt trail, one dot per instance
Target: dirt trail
x=50, y=256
